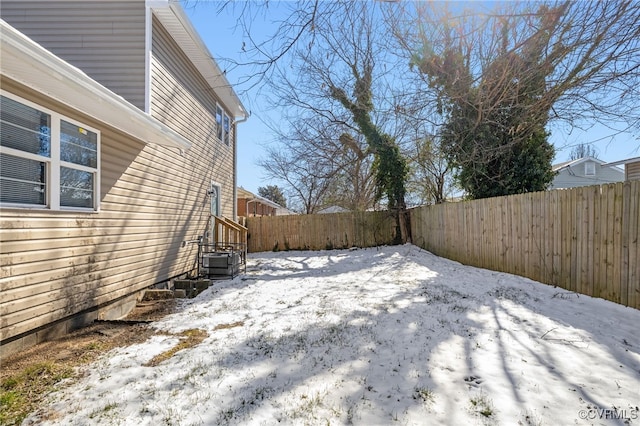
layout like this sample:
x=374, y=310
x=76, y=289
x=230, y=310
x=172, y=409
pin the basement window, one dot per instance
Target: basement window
x=46, y=159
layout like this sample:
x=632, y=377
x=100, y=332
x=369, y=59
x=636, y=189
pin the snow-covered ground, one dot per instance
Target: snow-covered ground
x=393, y=335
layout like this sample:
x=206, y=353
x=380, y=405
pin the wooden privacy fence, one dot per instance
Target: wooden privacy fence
x=581, y=239
x=320, y=231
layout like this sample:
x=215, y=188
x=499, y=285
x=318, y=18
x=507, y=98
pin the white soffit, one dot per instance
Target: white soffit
x=625, y=161
x=176, y=22
x=28, y=63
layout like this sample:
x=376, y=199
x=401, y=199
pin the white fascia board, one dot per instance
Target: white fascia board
x=177, y=23
x=621, y=162
x=265, y=202
x=28, y=63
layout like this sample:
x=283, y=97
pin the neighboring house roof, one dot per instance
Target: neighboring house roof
x=557, y=167
x=621, y=162
x=284, y=212
x=174, y=19
x=250, y=196
x=561, y=166
x=243, y=193
x=332, y=209
x=28, y=63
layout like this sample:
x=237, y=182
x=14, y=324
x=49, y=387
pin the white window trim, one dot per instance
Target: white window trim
x=225, y=135
x=219, y=125
x=52, y=196
x=589, y=166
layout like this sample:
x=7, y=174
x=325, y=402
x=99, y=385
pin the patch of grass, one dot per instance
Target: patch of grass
x=482, y=405
x=230, y=325
x=92, y=350
x=529, y=419
x=21, y=393
x=188, y=339
x=308, y=406
x=424, y=393
x=104, y=411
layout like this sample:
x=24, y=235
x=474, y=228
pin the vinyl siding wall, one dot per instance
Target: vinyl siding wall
x=577, y=178
x=105, y=39
x=632, y=171
x=183, y=100
x=56, y=264
x=61, y=266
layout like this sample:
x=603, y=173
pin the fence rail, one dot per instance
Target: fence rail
x=320, y=231
x=581, y=239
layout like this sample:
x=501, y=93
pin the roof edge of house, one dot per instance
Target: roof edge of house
x=29, y=64
x=173, y=17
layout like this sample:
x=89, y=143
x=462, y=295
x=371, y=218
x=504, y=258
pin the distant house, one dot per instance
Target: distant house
x=251, y=205
x=631, y=167
x=332, y=209
x=584, y=172
x=118, y=143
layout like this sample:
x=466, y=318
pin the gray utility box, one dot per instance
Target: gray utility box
x=221, y=263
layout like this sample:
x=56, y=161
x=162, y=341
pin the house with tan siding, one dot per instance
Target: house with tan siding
x=118, y=144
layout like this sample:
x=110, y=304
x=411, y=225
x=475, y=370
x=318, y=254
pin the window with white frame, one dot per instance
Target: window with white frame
x=227, y=128
x=219, y=129
x=46, y=159
x=223, y=125
x=589, y=168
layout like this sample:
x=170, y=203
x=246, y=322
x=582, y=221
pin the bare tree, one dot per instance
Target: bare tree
x=305, y=185
x=353, y=184
x=583, y=150
x=590, y=53
x=589, y=56
x=500, y=75
x=320, y=165
x=315, y=46
x=338, y=78
x=430, y=179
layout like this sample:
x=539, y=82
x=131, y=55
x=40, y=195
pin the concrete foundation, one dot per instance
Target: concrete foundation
x=113, y=311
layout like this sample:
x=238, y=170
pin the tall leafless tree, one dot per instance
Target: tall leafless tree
x=321, y=165
x=500, y=75
x=583, y=150
x=338, y=78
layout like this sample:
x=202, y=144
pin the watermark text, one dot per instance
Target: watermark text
x=609, y=414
